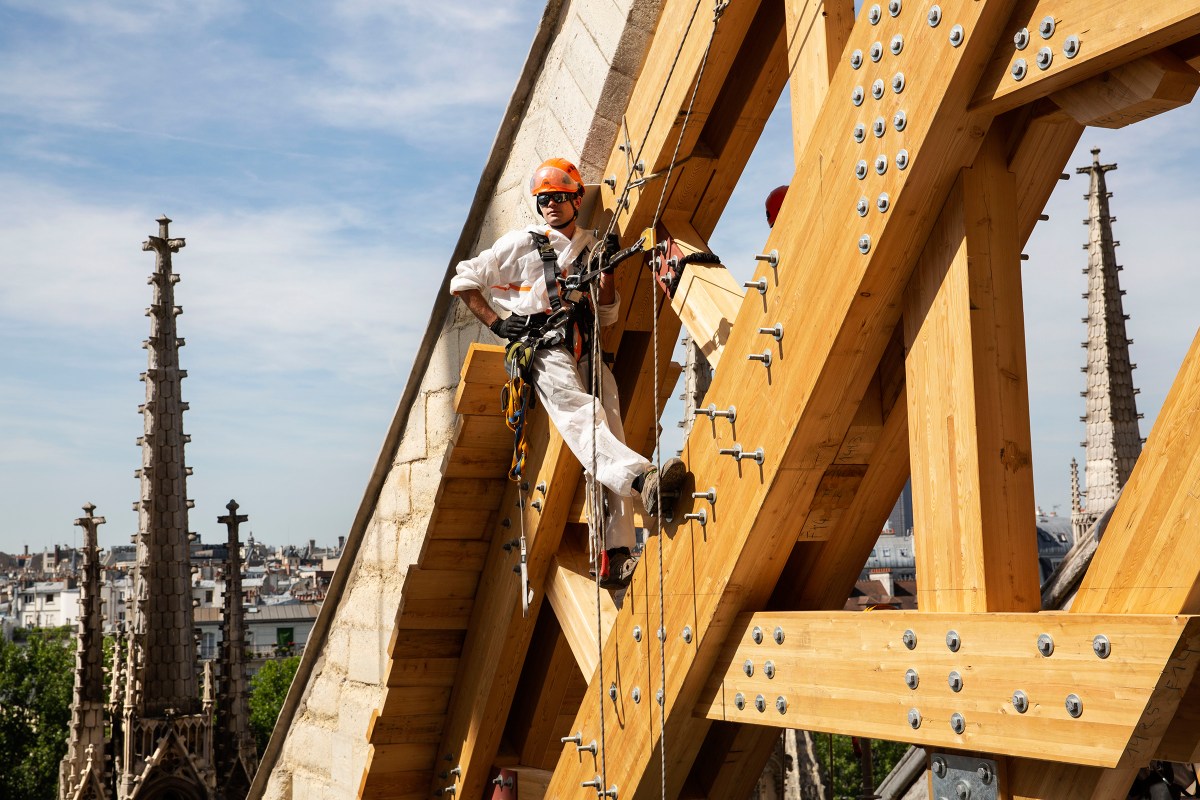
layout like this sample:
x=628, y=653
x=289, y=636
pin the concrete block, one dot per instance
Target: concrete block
x=614, y=97
x=279, y=785
x=412, y=441
x=605, y=20
x=324, y=695
x=575, y=111
x=587, y=66
x=368, y=655
x=597, y=148
x=393, y=500
x=439, y=411
x=440, y=372
x=424, y=479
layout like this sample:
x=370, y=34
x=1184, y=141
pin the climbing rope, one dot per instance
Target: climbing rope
x=596, y=516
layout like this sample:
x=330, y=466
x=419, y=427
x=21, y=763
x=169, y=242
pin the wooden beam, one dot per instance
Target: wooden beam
x=708, y=298
x=1110, y=33
x=968, y=403
x=817, y=32
x=572, y=594
x=845, y=672
x=802, y=409
x=1132, y=92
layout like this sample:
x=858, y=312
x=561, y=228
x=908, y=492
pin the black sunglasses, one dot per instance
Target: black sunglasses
x=546, y=199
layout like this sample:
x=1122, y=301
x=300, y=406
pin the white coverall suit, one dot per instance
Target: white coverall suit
x=511, y=273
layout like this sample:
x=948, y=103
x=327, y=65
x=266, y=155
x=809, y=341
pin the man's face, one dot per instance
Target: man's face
x=559, y=213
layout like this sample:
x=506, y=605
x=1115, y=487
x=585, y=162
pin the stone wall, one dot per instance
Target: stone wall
x=568, y=102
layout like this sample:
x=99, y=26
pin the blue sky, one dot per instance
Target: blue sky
x=320, y=159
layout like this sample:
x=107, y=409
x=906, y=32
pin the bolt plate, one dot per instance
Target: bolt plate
x=963, y=770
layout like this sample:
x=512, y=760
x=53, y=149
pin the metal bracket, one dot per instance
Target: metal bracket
x=963, y=778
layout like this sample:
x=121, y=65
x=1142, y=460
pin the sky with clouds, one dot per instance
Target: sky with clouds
x=319, y=158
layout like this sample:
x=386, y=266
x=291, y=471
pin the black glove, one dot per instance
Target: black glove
x=612, y=245
x=511, y=328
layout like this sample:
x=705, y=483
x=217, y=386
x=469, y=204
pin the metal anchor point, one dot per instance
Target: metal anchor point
x=760, y=284
x=735, y=451
x=700, y=516
x=710, y=495
x=575, y=739
x=764, y=357
x=775, y=330
x=772, y=258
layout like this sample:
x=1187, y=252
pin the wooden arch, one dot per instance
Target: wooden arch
x=903, y=355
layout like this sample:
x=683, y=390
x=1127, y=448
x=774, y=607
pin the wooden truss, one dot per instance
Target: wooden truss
x=895, y=275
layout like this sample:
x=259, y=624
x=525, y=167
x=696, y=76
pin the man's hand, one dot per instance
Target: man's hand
x=611, y=246
x=511, y=328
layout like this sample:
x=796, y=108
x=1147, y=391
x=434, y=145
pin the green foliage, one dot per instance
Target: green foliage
x=846, y=771
x=36, y=679
x=268, y=688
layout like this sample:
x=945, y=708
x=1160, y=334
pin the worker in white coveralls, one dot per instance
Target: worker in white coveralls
x=521, y=275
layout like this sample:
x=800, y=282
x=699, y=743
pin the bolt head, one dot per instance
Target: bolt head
x=1074, y=705
x=1045, y=57
x=874, y=15
x=957, y=35
x=883, y=203
x=902, y=159
x=911, y=679
x=1071, y=47
x=934, y=17
x=1046, y=27
x=898, y=82
x=897, y=44
x=962, y=791
x=984, y=771
x=876, y=51
x=856, y=59
x=864, y=244
x=739, y=700
x=953, y=642
x=860, y=132
x=757, y=635
x=636, y=694
x=914, y=718
x=760, y=703
x=687, y=633
x=860, y=169
x=778, y=634
x=748, y=668
x=894, y=7
x=1021, y=39
x=637, y=633
x=939, y=766
x=877, y=88
x=857, y=96
x=781, y=704
x=1045, y=645
x=1019, y=69
x=1101, y=646
x=769, y=670
x=955, y=680
x=881, y=164
x=910, y=639
x=957, y=723
x=1020, y=701
x=863, y=206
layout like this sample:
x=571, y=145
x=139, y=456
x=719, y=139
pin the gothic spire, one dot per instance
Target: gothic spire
x=235, y=754
x=1113, y=440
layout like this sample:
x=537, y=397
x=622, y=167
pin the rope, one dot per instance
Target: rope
x=596, y=520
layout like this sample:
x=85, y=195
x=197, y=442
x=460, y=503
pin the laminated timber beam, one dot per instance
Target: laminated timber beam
x=847, y=303
x=853, y=673
x=1102, y=35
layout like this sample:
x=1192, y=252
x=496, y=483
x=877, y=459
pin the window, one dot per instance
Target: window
x=284, y=639
x=208, y=596
x=887, y=552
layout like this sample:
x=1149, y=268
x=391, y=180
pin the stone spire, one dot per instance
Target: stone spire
x=167, y=736
x=235, y=752
x=1113, y=440
x=1076, y=505
x=82, y=771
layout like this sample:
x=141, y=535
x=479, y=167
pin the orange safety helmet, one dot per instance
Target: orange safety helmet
x=556, y=175
x=774, y=201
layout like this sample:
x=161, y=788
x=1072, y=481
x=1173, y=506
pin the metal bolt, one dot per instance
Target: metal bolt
x=1045, y=57
x=612, y=692
x=739, y=701
x=1071, y=46
x=900, y=120
x=735, y=451
x=910, y=639
x=1020, y=701
x=760, y=703
x=956, y=35
x=856, y=59
x=637, y=633
x=902, y=159
x=860, y=132
x=934, y=17
x=764, y=357
x=594, y=783
x=911, y=679
x=781, y=704
x=757, y=635
x=541, y=487
x=953, y=641
x=537, y=504
x=881, y=163
x=1046, y=28
x=748, y=668
x=710, y=495
x=897, y=44
x=758, y=457
x=898, y=82
x=957, y=723
x=778, y=635
x=860, y=169
x=1019, y=69
x=1045, y=645
x=1101, y=646
x=883, y=203
x=636, y=694
x=985, y=773
x=575, y=739
x=864, y=206
x=877, y=88
x=962, y=791
x=700, y=516
x=586, y=748
x=769, y=669
x=1074, y=705
x=879, y=127
x=775, y=330
x=857, y=96
x=939, y=766
x=660, y=697
x=611, y=182
x=914, y=718
x=874, y=15
x=687, y=633
x=955, y=680
x=1021, y=39
x=876, y=51
x=894, y=7
x=772, y=258
x=760, y=284
x=864, y=244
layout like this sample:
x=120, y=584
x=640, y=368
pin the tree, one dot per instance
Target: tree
x=36, y=681
x=268, y=688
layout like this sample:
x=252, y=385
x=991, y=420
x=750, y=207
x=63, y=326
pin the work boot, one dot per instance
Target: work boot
x=661, y=489
x=621, y=564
